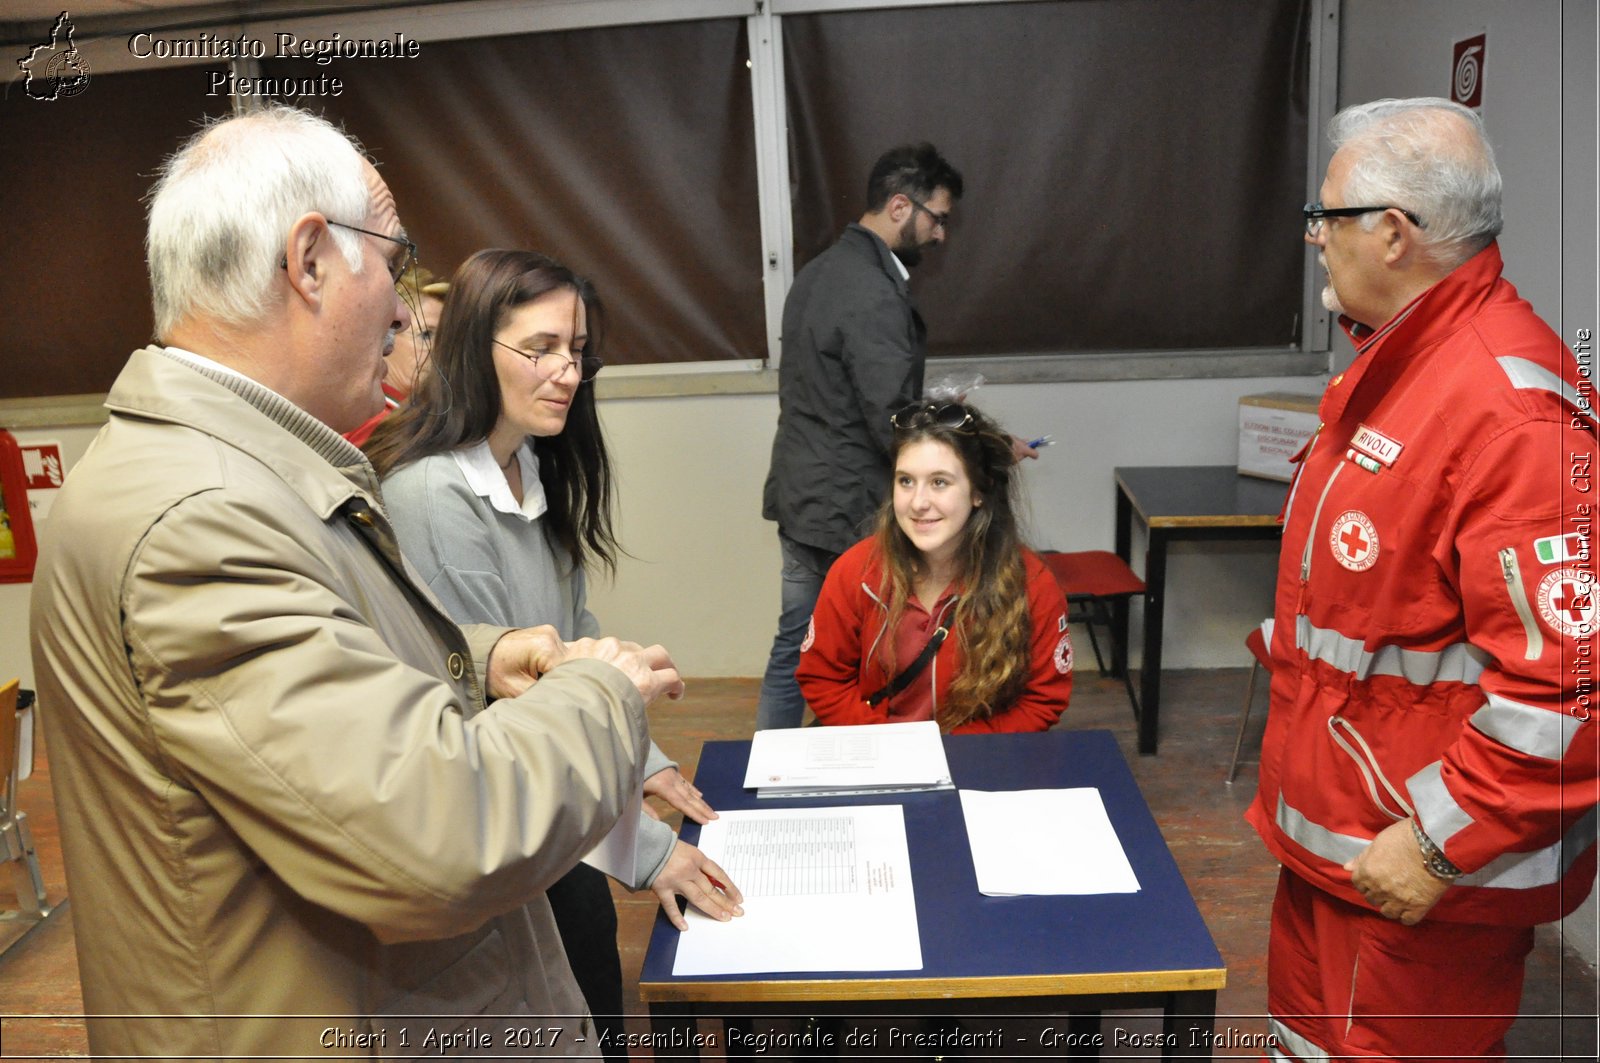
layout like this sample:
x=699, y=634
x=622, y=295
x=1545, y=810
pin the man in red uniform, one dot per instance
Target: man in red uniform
x=1429, y=773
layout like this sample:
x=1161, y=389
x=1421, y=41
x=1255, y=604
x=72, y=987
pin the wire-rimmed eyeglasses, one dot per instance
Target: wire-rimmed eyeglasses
x=941, y=219
x=1315, y=212
x=551, y=365
x=396, y=269
x=951, y=415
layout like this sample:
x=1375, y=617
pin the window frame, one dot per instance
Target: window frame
x=104, y=44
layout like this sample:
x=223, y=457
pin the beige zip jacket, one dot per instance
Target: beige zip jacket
x=289, y=819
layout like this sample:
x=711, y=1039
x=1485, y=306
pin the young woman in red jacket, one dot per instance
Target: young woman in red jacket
x=942, y=614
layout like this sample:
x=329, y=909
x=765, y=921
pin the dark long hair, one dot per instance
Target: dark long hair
x=457, y=399
x=991, y=621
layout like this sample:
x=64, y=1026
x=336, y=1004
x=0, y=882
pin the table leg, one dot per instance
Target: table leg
x=1119, y=607
x=673, y=1029
x=1188, y=1024
x=1155, y=592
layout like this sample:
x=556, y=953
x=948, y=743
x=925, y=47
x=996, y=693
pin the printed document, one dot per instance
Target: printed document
x=865, y=758
x=825, y=889
x=1044, y=842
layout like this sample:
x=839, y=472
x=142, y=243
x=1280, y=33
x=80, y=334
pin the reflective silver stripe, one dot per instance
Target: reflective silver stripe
x=1303, y=1048
x=1527, y=728
x=1526, y=374
x=1460, y=662
x=1521, y=871
x=1338, y=848
x=1441, y=817
x=1513, y=871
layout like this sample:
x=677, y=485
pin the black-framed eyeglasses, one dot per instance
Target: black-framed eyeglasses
x=951, y=415
x=396, y=270
x=550, y=365
x=941, y=220
x=1315, y=212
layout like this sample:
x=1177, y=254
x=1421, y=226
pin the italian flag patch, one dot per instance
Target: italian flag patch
x=1555, y=549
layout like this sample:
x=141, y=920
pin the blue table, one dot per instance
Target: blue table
x=984, y=955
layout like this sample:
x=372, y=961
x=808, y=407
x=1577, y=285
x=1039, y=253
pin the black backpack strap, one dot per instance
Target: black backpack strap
x=914, y=669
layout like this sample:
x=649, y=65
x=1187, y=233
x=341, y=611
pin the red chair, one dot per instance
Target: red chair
x=1092, y=580
x=1256, y=642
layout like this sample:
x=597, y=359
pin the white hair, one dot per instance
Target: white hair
x=221, y=211
x=1429, y=156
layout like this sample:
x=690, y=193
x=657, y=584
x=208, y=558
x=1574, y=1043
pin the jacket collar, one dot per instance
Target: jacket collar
x=874, y=246
x=1438, y=312
x=312, y=459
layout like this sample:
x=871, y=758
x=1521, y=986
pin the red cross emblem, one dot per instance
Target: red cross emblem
x=1566, y=601
x=1354, y=540
x=1572, y=600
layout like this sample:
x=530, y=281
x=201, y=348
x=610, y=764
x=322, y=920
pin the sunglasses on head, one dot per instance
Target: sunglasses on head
x=951, y=415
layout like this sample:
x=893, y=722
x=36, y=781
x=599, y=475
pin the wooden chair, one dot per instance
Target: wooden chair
x=1256, y=642
x=16, y=840
x=1093, y=580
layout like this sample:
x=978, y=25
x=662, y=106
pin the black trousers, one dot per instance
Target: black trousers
x=586, y=916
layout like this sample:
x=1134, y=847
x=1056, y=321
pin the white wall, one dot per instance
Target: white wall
x=1539, y=107
x=705, y=582
x=703, y=575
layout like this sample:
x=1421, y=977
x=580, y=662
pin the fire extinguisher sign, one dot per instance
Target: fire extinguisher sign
x=1466, y=72
x=44, y=470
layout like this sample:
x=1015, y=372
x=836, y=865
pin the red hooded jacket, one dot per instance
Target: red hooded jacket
x=1433, y=645
x=839, y=670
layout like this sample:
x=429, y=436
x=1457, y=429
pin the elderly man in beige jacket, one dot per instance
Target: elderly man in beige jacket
x=302, y=811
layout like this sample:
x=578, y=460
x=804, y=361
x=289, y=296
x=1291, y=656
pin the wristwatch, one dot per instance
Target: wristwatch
x=1433, y=858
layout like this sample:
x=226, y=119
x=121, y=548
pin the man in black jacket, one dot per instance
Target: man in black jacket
x=853, y=354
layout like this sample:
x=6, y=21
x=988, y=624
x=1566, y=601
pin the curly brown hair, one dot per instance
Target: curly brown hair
x=990, y=622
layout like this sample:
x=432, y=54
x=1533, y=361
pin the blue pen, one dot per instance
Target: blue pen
x=1042, y=441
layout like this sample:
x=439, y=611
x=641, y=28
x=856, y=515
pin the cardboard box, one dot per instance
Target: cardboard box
x=1272, y=429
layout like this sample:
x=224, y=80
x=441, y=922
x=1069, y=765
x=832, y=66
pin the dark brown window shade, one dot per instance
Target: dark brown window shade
x=76, y=296
x=1134, y=170
x=626, y=152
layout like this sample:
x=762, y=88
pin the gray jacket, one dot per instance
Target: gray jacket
x=853, y=353
x=489, y=567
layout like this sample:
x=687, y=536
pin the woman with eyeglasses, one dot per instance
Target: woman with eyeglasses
x=497, y=482
x=942, y=614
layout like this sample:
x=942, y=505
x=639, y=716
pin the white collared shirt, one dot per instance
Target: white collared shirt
x=484, y=476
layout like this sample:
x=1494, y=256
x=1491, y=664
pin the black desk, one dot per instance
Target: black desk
x=983, y=955
x=1182, y=502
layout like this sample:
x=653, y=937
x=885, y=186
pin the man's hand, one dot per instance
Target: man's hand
x=1020, y=449
x=696, y=878
x=670, y=785
x=1390, y=874
x=522, y=656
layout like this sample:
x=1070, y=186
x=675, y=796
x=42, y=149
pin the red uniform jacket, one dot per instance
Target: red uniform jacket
x=1432, y=654
x=392, y=398
x=839, y=668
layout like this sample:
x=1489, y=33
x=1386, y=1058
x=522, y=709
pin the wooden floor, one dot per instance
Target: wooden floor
x=1229, y=872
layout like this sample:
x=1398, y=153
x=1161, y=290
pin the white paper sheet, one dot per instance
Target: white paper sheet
x=614, y=855
x=825, y=889
x=1044, y=842
x=807, y=761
